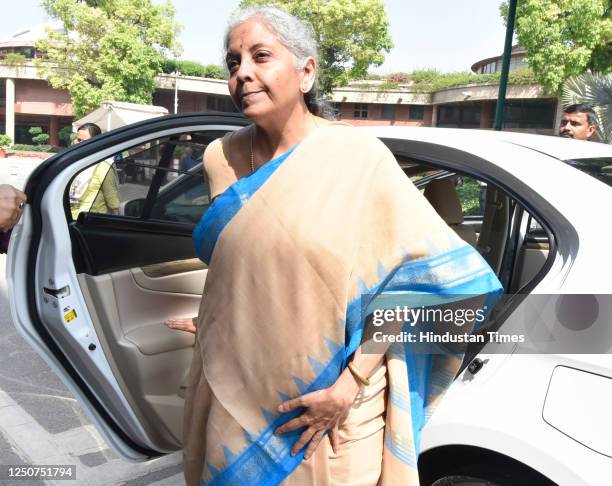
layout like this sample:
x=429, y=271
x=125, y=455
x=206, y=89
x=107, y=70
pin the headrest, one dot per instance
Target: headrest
x=443, y=196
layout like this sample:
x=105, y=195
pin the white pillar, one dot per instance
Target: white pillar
x=176, y=92
x=10, y=108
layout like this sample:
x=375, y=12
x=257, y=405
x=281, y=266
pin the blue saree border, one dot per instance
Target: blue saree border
x=267, y=460
x=227, y=205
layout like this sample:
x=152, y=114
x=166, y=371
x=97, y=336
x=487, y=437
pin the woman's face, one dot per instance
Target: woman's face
x=263, y=79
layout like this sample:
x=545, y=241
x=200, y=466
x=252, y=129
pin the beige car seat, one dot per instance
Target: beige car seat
x=443, y=196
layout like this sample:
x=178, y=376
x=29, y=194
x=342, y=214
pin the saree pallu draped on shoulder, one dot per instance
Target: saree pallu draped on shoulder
x=281, y=313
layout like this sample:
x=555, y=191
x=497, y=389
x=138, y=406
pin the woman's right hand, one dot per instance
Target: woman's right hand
x=187, y=324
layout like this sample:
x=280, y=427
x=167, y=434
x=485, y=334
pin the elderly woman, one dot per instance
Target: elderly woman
x=308, y=217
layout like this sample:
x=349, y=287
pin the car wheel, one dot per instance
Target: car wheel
x=491, y=476
x=464, y=481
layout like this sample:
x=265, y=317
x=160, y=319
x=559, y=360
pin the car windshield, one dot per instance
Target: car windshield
x=600, y=168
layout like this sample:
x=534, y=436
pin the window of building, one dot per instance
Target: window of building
x=222, y=104
x=336, y=109
x=459, y=116
x=361, y=110
x=517, y=63
x=416, y=112
x=489, y=68
x=28, y=52
x=388, y=112
x=529, y=114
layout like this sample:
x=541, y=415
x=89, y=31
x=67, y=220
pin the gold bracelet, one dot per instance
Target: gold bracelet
x=358, y=375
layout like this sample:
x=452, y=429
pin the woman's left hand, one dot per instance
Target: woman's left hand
x=325, y=411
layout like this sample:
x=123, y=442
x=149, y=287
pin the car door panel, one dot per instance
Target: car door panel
x=173, y=267
x=99, y=289
x=130, y=319
x=186, y=282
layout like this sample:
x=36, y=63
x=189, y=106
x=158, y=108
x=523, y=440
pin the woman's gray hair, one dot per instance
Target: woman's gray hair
x=294, y=33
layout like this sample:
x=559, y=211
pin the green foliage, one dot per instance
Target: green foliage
x=192, y=68
x=594, y=89
x=469, y=194
x=5, y=141
x=120, y=47
x=398, y=78
x=38, y=137
x=33, y=148
x=15, y=59
x=66, y=136
x=388, y=85
x=352, y=35
x=424, y=76
x=522, y=76
x=563, y=38
x=429, y=82
x=432, y=80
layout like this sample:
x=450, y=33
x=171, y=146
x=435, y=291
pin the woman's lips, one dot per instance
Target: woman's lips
x=250, y=93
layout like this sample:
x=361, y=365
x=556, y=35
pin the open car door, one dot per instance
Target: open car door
x=91, y=282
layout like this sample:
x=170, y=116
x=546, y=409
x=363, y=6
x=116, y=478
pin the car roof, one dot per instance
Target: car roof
x=557, y=147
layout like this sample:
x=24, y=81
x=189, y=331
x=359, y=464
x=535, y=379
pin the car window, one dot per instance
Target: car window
x=161, y=179
x=600, y=168
x=470, y=191
x=185, y=200
x=471, y=194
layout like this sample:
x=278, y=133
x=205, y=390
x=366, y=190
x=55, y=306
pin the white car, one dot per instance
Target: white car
x=91, y=294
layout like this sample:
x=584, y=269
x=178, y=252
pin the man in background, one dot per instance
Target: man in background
x=578, y=122
x=95, y=189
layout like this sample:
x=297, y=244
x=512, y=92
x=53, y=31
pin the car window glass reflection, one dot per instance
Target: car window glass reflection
x=166, y=172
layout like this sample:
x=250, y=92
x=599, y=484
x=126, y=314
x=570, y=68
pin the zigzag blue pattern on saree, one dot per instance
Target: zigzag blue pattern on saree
x=256, y=465
x=416, y=277
x=263, y=465
x=399, y=400
x=403, y=453
x=227, y=205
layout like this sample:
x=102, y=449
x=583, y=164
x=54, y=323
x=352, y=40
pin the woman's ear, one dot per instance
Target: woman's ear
x=309, y=74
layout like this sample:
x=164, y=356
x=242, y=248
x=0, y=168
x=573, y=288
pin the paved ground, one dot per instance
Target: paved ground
x=15, y=170
x=40, y=421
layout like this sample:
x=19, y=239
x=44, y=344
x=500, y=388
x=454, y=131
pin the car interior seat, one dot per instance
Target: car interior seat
x=443, y=196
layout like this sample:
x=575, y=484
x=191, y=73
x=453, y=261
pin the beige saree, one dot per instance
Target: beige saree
x=292, y=249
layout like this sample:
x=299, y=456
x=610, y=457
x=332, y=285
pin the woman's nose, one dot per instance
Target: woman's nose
x=245, y=71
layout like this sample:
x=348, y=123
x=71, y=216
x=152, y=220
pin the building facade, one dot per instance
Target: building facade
x=26, y=100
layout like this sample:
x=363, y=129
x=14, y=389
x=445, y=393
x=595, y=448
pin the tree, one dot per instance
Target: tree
x=564, y=38
x=192, y=68
x=352, y=35
x=110, y=50
x=594, y=90
x=65, y=136
x=38, y=137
